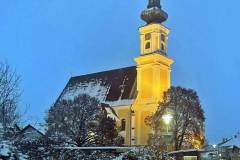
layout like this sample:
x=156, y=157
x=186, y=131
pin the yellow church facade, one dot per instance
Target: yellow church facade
x=133, y=92
x=153, y=78
x=153, y=75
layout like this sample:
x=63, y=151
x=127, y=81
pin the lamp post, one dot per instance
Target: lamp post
x=167, y=118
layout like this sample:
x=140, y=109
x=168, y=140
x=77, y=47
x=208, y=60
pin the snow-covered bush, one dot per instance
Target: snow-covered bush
x=10, y=152
x=7, y=148
x=140, y=153
x=71, y=154
x=99, y=155
x=79, y=122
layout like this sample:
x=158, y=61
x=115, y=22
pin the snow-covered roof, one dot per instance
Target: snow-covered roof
x=186, y=151
x=114, y=87
x=29, y=133
x=235, y=141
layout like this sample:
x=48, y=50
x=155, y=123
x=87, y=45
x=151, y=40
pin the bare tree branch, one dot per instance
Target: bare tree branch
x=9, y=95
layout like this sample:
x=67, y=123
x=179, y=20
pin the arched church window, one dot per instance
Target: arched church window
x=163, y=37
x=148, y=45
x=162, y=47
x=123, y=124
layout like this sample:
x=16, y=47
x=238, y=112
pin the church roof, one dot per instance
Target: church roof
x=114, y=87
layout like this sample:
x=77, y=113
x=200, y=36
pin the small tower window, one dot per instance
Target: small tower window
x=163, y=37
x=148, y=45
x=162, y=47
x=123, y=125
x=147, y=36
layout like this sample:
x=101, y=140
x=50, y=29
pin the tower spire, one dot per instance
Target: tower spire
x=154, y=13
x=154, y=3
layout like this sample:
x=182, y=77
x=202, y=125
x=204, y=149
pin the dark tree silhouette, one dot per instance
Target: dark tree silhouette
x=9, y=95
x=187, y=124
x=107, y=132
x=82, y=122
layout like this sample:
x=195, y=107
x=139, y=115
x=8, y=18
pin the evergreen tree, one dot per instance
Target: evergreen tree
x=107, y=132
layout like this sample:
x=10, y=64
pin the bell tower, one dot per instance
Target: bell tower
x=153, y=68
x=154, y=35
x=153, y=64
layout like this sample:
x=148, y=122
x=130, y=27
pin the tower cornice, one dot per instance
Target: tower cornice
x=157, y=26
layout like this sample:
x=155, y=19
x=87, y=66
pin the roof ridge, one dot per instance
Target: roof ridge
x=88, y=74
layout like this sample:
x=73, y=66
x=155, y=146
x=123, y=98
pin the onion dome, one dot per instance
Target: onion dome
x=154, y=13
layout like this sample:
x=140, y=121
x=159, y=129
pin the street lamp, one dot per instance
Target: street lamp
x=91, y=136
x=167, y=118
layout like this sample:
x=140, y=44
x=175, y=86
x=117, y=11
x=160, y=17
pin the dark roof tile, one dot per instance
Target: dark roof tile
x=113, y=85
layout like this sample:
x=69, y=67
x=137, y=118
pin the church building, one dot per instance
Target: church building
x=133, y=92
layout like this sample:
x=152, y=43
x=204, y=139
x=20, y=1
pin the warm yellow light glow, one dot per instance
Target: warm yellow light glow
x=167, y=118
x=91, y=134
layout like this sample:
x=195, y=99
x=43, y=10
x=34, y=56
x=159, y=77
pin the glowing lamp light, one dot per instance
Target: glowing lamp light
x=91, y=134
x=214, y=146
x=167, y=118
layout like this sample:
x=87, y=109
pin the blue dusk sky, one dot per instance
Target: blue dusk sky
x=48, y=41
